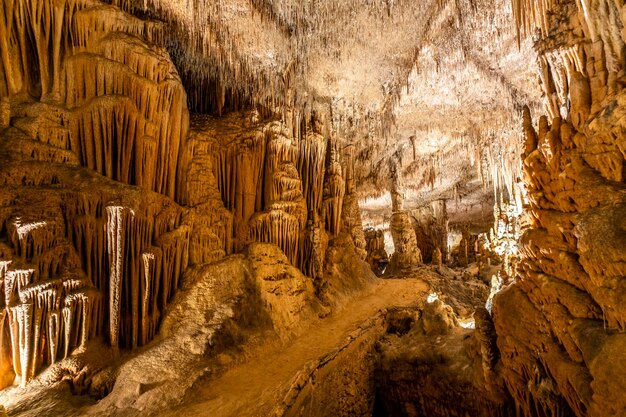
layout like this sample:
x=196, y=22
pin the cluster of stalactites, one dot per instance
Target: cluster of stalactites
x=127, y=108
x=596, y=17
x=211, y=236
x=48, y=306
x=46, y=320
x=280, y=189
x=142, y=277
x=234, y=55
x=334, y=191
x=219, y=77
x=83, y=267
x=33, y=37
x=581, y=53
x=131, y=259
x=286, y=212
x=37, y=37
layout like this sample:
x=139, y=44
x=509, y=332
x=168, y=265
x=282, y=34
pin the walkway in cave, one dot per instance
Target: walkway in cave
x=255, y=387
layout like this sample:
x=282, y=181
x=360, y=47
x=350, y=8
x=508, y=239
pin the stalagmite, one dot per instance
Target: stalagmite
x=351, y=215
x=437, y=258
x=377, y=257
x=184, y=187
x=406, y=252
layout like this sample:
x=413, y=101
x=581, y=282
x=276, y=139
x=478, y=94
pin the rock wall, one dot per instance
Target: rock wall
x=110, y=192
x=560, y=327
x=84, y=256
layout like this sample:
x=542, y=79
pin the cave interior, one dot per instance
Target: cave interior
x=313, y=208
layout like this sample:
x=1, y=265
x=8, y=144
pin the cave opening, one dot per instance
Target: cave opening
x=322, y=208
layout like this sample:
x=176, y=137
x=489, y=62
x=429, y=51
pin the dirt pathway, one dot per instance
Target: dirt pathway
x=253, y=388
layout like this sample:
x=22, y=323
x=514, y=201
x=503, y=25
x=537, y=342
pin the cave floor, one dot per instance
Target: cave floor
x=256, y=386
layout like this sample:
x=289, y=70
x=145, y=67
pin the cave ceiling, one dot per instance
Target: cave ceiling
x=434, y=86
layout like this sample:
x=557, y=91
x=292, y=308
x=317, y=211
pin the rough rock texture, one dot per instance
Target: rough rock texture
x=431, y=230
x=377, y=256
x=109, y=192
x=560, y=326
x=436, y=369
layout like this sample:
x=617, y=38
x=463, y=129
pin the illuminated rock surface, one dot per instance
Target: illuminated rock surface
x=196, y=198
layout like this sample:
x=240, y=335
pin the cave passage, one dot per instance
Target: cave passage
x=312, y=208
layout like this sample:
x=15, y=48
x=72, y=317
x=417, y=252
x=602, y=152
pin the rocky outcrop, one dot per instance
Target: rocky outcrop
x=110, y=193
x=376, y=254
x=560, y=325
x=436, y=369
x=431, y=230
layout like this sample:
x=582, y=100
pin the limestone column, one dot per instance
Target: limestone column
x=351, y=213
x=406, y=251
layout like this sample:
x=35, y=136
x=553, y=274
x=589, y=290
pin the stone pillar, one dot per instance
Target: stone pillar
x=406, y=251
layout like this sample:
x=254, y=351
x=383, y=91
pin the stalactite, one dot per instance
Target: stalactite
x=115, y=251
x=334, y=191
x=311, y=163
x=133, y=131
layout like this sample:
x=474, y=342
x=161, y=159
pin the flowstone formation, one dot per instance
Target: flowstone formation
x=184, y=188
x=112, y=191
x=560, y=326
